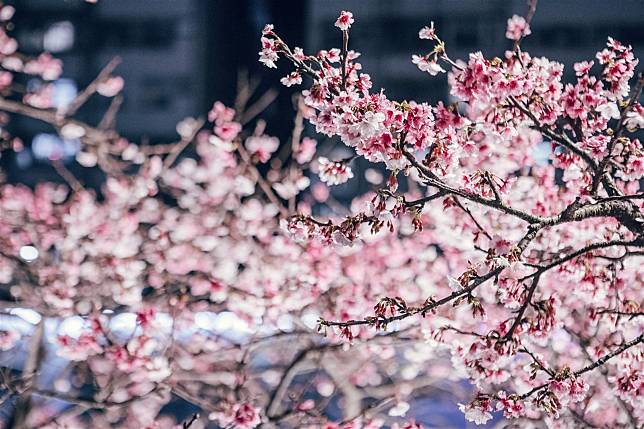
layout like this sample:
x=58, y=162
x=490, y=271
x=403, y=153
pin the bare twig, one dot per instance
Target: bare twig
x=109, y=118
x=185, y=141
x=90, y=89
x=187, y=423
x=259, y=106
x=263, y=184
x=67, y=175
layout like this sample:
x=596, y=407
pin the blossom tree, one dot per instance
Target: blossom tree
x=526, y=275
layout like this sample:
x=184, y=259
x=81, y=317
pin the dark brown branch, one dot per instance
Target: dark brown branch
x=422, y=201
x=629, y=314
x=471, y=216
x=92, y=135
x=624, y=197
x=89, y=403
x=624, y=211
x=583, y=342
x=109, y=118
x=383, y=321
x=259, y=106
x=587, y=249
x=488, y=178
x=619, y=130
x=524, y=306
x=343, y=57
x=280, y=390
x=602, y=360
x=533, y=230
x=596, y=364
x=537, y=362
x=561, y=139
x=263, y=184
x=29, y=375
x=432, y=180
x=187, y=423
x=67, y=176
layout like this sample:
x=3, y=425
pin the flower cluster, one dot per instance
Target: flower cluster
x=211, y=276
x=518, y=27
x=334, y=172
x=474, y=156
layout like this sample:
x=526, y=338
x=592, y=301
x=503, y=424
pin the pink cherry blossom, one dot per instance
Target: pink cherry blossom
x=431, y=67
x=228, y=130
x=262, y=146
x=111, y=86
x=306, y=150
x=240, y=416
x=344, y=21
x=498, y=240
x=334, y=172
x=427, y=32
x=517, y=28
x=8, y=339
x=477, y=411
x=293, y=78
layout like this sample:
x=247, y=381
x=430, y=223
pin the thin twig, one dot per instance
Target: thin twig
x=599, y=362
x=90, y=89
x=185, y=141
x=263, y=184
x=67, y=175
x=259, y=106
x=109, y=118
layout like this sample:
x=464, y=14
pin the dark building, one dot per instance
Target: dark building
x=177, y=57
x=162, y=44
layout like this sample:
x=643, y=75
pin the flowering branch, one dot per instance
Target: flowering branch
x=596, y=364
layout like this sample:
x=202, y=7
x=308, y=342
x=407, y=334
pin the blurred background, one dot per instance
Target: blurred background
x=178, y=56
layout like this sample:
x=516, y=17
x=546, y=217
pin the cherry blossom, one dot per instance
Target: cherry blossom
x=240, y=416
x=512, y=406
x=334, y=172
x=517, y=28
x=8, y=339
x=427, y=32
x=261, y=146
x=306, y=150
x=111, y=86
x=344, y=21
x=431, y=67
x=500, y=241
x=497, y=91
x=292, y=79
x=477, y=411
x=635, y=118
